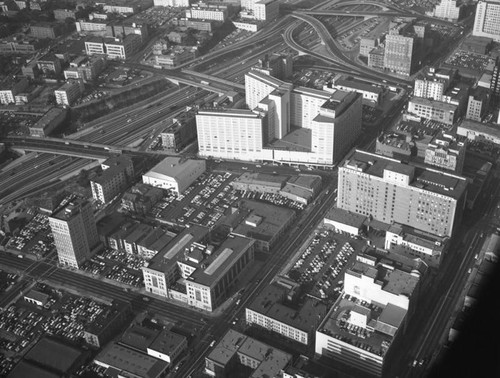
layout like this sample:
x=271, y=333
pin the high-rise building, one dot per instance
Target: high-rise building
x=390, y=191
x=232, y=134
x=487, y=21
x=478, y=103
x=75, y=232
x=329, y=123
x=446, y=9
x=399, y=51
x=495, y=79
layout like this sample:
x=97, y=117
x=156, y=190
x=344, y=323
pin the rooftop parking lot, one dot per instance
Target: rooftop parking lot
x=469, y=60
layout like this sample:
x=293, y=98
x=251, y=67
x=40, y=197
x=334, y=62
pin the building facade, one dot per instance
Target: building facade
x=69, y=92
x=75, y=233
x=487, y=20
x=390, y=191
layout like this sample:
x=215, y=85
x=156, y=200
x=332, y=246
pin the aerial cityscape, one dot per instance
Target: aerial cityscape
x=249, y=188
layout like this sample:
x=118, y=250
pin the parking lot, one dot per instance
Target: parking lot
x=371, y=114
x=425, y=127
x=321, y=265
x=203, y=203
x=65, y=315
x=118, y=266
x=7, y=280
x=35, y=238
x=312, y=78
x=469, y=60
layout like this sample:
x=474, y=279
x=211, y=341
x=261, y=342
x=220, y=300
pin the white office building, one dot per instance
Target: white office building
x=487, y=21
x=75, y=233
x=447, y=10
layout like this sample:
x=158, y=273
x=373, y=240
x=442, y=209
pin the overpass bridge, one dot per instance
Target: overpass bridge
x=74, y=148
x=192, y=78
x=365, y=14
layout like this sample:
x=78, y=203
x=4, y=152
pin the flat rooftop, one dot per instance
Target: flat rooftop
x=130, y=361
x=271, y=219
x=444, y=106
x=434, y=181
x=262, y=179
x=138, y=337
x=174, y=167
x=359, y=85
x=335, y=325
x=54, y=354
x=394, y=281
x=295, y=140
x=413, y=235
x=345, y=217
x=69, y=210
x=243, y=113
x=269, y=303
x=271, y=360
x=167, y=341
x=191, y=247
x=479, y=127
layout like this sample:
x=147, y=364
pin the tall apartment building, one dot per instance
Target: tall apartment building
x=401, y=50
x=478, y=103
x=329, y=122
x=75, y=232
x=232, y=133
x=69, y=92
x=447, y=10
x=390, y=191
x=487, y=20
